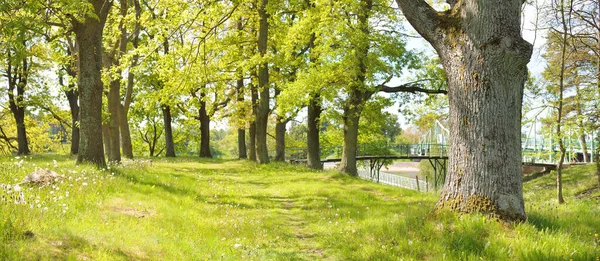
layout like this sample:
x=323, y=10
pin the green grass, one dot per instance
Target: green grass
x=191, y=209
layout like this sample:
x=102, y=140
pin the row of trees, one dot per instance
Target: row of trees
x=253, y=62
x=264, y=61
x=570, y=84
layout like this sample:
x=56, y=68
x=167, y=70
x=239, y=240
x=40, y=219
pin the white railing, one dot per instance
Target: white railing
x=396, y=180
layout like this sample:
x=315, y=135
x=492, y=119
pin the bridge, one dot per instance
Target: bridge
x=433, y=147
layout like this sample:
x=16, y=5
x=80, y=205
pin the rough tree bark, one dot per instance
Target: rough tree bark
x=88, y=35
x=17, y=81
x=167, y=119
x=262, y=113
x=485, y=59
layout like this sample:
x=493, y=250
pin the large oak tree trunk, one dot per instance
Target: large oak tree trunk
x=313, y=152
x=262, y=113
x=167, y=119
x=485, y=59
x=89, y=39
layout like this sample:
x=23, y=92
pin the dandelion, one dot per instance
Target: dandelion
x=596, y=235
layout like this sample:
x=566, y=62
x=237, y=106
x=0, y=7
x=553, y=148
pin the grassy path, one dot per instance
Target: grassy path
x=235, y=210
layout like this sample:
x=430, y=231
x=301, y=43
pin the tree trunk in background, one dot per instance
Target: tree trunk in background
x=19, y=117
x=125, y=133
x=73, y=98
x=241, y=131
x=114, y=104
x=598, y=91
x=106, y=136
x=252, y=128
x=581, y=125
x=561, y=86
x=126, y=143
x=584, y=147
x=252, y=141
x=204, y=129
x=17, y=80
x=485, y=59
x=114, y=93
x=357, y=95
x=89, y=39
x=242, y=144
x=262, y=113
x=280, y=140
x=169, y=144
x=313, y=150
x=351, y=118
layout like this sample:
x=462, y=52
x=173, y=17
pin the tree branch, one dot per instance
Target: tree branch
x=421, y=16
x=412, y=87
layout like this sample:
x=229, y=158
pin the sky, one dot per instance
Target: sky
x=529, y=33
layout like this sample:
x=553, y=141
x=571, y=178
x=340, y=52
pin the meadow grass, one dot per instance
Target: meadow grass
x=193, y=209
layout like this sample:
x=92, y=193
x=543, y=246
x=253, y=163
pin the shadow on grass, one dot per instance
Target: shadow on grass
x=535, y=176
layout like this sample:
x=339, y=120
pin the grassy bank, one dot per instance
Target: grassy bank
x=191, y=209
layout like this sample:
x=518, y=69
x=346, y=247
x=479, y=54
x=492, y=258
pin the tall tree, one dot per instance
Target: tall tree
x=262, y=111
x=71, y=92
x=126, y=143
x=485, y=58
x=17, y=72
x=88, y=34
